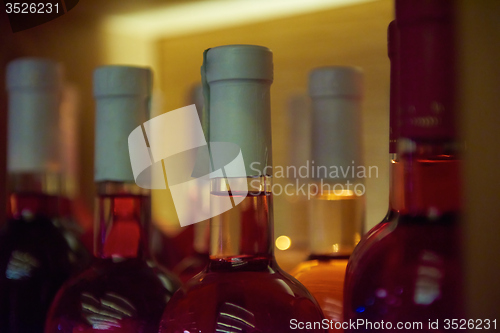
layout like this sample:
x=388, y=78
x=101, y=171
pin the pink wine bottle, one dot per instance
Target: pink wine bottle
x=336, y=213
x=396, y=193
x=123, y=290
x=411, y=276
x=35, y=256
x=242, y=289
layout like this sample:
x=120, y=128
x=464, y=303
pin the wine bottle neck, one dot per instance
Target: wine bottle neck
x=122, y=221
x=427, y=104
x=236, y=84
x=245, y=230
x=427, y=78
x=431, y=177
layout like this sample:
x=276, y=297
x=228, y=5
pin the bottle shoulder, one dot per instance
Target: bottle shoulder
x=265, y=300
x=410, y=265
x=397, y=227
x=133, y=290
x=404, y=235
x=265, y=275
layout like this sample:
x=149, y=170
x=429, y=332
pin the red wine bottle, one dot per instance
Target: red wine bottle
x=336, y=211
x=35, y=257
x=242, y=288
x=412, y=272
x=124, y=290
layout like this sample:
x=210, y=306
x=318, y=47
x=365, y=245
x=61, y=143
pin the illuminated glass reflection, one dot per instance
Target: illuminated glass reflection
x=235, y=319
x=106, y=312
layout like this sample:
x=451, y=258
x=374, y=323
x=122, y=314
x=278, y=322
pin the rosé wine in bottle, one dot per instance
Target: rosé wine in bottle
x=35, y=254
x=412, y=272
x=124, y=290
x=396, y=193
x=242, y=289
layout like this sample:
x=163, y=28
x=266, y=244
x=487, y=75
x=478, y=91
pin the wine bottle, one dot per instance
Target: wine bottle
x=396, y=193
x=123, y=290
x=336, y=210
x=412, y=275
x=242, y=288
x=35, y=257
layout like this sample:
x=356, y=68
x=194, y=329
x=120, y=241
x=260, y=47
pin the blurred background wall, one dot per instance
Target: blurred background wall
x=352, y=33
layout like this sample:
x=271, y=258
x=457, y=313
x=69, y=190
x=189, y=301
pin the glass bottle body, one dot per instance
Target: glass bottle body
x=123, y=290
x=396, y=203
x=42, y=195
x=123, y=296
x=409, y=269
x=242, y=289
x=35, y=257
x=396, y=184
